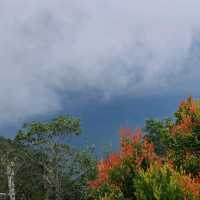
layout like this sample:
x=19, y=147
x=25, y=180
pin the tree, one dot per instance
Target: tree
x=8, y=164
x=179, y=137
x=58, y=163
x=137, y=172
x=156, y=131
x=4, y=147
x=184, y=138
x=16, y=168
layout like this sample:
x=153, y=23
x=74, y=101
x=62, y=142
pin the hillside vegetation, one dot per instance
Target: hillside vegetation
x=162, y=164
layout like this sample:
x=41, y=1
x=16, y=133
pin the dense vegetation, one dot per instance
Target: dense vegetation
x=44, y=164
x=162, y=164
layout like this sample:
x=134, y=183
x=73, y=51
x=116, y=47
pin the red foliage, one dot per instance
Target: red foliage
x=186, y=121
x=113, y=160
x=133, y=147
x=184, y=126
x=190, y=186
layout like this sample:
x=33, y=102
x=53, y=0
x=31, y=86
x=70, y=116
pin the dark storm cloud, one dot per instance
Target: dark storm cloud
x=112, y=47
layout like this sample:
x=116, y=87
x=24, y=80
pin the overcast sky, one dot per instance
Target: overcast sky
x=58, y=54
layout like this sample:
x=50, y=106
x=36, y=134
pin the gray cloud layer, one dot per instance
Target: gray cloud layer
x=112, y=47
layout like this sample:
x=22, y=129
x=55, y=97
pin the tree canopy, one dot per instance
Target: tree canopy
x=40, y=163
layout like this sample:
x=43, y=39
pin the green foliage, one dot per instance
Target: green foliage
x=191, y=164
x=124, y=176
x=157, y=132
x=117, y=195
x=158, y=184
x=49, y=150
x=107, y=192
x=47, y=166
x=164, y=164
x=36, y=133
x=171, y=171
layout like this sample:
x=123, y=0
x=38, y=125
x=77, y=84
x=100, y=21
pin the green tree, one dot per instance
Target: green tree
x=61, y=169
x=156, y=132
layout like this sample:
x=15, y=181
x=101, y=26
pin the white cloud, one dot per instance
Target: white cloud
x=113, y=47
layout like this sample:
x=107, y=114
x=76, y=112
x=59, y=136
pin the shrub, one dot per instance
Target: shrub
x=159, y=183
x=137, y=172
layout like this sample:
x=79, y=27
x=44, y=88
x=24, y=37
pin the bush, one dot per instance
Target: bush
x=139, y=171
x=159, y=183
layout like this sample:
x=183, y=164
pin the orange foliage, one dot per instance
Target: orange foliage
x=184, y=127
x=128, y=141
x=135, y=149
x=113, y=160
x=186, y=110
x=132, y=147
x=190, y=186
x=190, y=105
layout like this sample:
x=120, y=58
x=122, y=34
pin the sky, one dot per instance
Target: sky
x=112, y=63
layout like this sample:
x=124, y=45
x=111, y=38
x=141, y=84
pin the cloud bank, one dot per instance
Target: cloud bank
x=109, y=47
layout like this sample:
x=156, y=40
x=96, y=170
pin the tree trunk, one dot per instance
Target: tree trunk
x=11, y=183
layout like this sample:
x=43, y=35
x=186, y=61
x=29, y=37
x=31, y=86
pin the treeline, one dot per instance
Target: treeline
x=40, y=164
x=162, y=164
